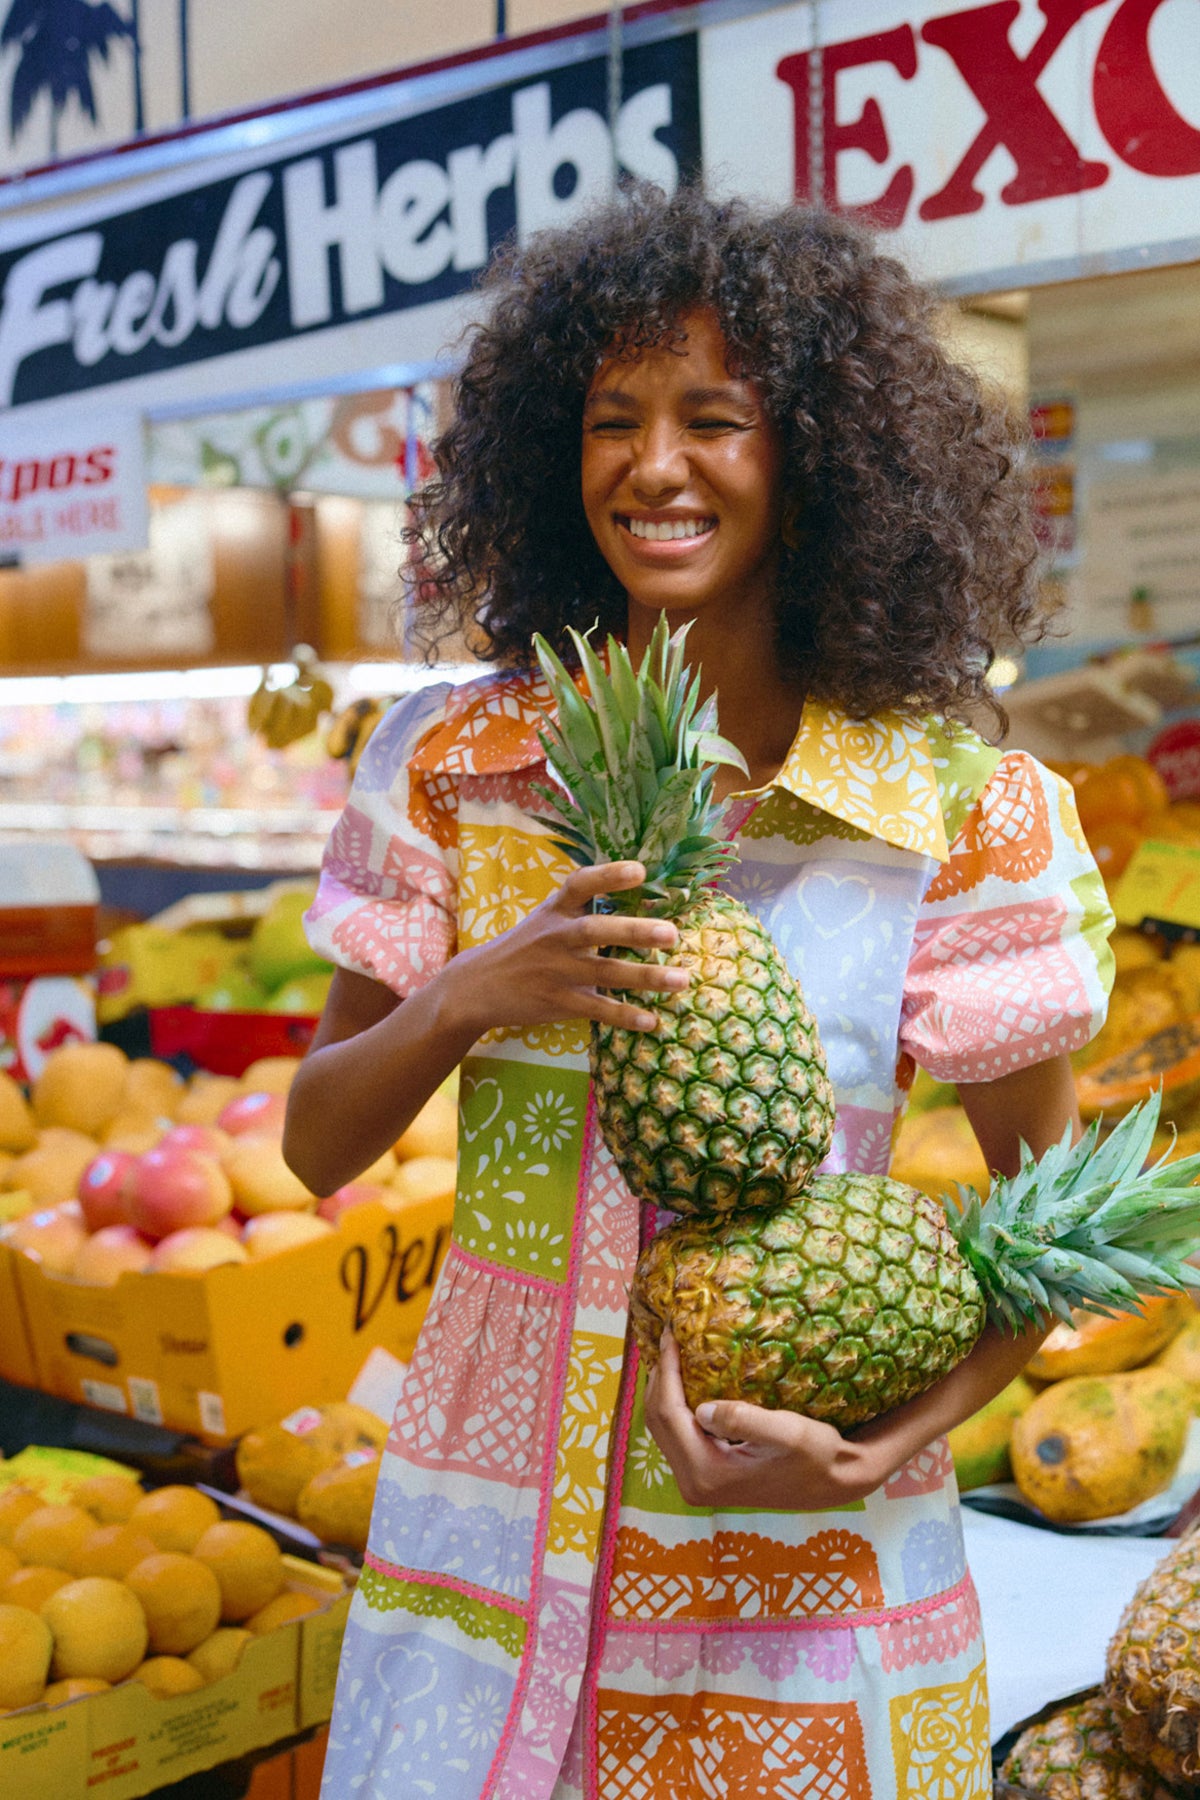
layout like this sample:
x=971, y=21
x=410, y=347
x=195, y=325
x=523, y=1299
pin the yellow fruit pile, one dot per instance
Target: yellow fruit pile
x=1098, y=1421
x=100, y=1164
x=118, y=1585
x=320, y=1466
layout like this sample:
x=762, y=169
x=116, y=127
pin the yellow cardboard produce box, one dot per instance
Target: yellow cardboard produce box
x=16, y=1356
x=218, y=1352
x=127, y=1742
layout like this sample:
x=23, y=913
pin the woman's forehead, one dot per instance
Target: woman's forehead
x=695, y=353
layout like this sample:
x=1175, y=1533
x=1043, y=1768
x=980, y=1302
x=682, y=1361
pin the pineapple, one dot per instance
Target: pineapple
x=727, y=1104
x=862, y=1292
x=1077, y=1754
x=1152, y=1677
x=839, y=1296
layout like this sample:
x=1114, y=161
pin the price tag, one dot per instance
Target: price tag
x=1161, y=881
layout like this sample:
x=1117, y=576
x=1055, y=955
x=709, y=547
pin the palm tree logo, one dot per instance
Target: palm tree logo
x=57, y=40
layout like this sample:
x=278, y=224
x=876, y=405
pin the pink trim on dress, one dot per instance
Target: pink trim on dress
x=430, y=1578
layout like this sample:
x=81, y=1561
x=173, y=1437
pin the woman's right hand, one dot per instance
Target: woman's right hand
x=549, y=966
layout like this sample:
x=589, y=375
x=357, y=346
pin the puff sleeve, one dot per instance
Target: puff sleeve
x=386, y=901
x=1010, y=960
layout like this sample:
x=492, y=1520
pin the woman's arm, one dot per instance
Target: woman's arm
x=375, y=1061
x=733, y=1454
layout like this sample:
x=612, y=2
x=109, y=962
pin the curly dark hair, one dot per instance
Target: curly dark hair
x=913, y=559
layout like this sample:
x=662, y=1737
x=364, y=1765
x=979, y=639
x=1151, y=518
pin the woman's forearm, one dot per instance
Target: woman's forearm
x=374, y=1063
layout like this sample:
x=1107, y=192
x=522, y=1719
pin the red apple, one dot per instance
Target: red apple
x=108, y=1253
x=258, y=1113
x=197, y=1247
x=103, y=1191
x=208, y=1138
x=172, y=1189
x=354, y=1193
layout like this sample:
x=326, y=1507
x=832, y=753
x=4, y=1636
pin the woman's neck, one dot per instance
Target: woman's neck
x=759, y=709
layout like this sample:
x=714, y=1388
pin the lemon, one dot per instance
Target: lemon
x=220, y=1654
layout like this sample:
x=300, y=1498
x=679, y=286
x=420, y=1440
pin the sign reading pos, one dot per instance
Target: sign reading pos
x=72, y=488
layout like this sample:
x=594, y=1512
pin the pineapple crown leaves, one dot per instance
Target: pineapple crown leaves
x=636, y=766
x=1089, y=1226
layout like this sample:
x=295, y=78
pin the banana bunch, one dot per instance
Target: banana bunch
x=347, y=736
x=282, y=715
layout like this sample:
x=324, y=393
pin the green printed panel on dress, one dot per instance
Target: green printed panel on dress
x=389, y=1593
x=520, y=1145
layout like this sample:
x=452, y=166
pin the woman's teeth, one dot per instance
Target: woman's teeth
x=667, y=529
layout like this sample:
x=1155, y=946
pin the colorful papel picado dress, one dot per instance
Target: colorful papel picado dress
x=540, y=1616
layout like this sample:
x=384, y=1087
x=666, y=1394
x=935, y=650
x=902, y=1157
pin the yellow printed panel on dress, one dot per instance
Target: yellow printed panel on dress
x=503, y=874
x=593, y=1379
x=940, y=1741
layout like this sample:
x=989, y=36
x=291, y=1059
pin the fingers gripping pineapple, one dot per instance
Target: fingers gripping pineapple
x=836, y=1296
x=727, y=1104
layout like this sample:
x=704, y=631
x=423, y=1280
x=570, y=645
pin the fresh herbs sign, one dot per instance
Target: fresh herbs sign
x=372, y=225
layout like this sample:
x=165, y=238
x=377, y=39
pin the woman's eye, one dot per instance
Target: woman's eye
x=608, y=426
x=715, y=425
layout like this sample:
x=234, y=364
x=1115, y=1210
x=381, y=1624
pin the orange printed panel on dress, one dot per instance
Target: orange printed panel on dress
x=666, y=1746
x=1008, y=836
x=742, y=1575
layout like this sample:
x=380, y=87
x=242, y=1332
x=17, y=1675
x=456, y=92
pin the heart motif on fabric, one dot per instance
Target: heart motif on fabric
x=834, y=904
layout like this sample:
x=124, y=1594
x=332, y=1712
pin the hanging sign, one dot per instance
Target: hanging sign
x=361, y=243
x=71, y=488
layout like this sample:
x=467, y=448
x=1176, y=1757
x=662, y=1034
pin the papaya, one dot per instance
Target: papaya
x=1182, y=1357
x=979, y=1445
x=1098, y=1346
x=937, y=1149
x=336, y=1504
x=1093, y=1446
x=1169, y=1057
x=276, y=1462
x=1143, y=1001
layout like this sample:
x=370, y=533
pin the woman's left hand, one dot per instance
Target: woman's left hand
x=730, y=1453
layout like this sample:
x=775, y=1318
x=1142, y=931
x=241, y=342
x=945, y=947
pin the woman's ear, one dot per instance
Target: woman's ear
x=792, y=528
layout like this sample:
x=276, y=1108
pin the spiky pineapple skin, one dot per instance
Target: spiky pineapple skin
x=1077, y=1754
x=1152, y=1674
x=728, y=1104
x=840, y=1304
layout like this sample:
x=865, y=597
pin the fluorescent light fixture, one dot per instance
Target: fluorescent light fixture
x=234, y=681
x=405, y=678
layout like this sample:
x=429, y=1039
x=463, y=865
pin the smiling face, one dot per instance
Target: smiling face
x=681, y=477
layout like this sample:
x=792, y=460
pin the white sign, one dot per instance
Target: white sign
x=998, y=142
x=72, y=487
x=1139, y=575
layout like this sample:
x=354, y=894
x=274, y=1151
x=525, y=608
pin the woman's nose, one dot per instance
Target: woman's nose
x=658, y=463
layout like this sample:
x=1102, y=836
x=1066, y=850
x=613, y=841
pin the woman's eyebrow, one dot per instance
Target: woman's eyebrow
x=608, y=396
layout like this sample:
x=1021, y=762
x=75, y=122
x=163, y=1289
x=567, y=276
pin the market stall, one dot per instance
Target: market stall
x=222, y=362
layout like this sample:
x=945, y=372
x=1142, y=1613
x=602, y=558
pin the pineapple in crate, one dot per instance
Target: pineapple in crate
x=838, y=1296
x=1077, y=1754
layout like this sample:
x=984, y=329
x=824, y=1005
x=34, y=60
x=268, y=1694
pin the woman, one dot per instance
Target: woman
x=743, y=419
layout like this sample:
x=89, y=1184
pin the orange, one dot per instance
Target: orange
x=220, y=1654
x=16, y=1503
x=281, y=1611
x=113, y=1550
x=247, y=1563
x=174, y=1516
x=32, y=1587
x=109, y=1498
x=99, y=1629
x=74, y=1689
x=10, y=1562
x=1145, y=778
x=181, y=1599
x=53, y=1535
x=168, y=1675
x=25, y=1649
x=1113, y=844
